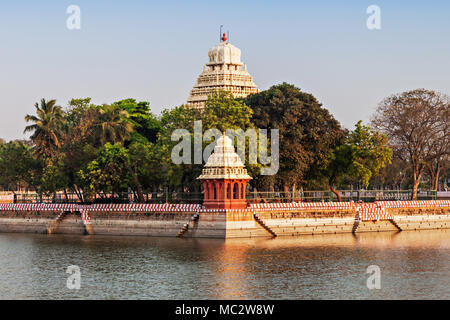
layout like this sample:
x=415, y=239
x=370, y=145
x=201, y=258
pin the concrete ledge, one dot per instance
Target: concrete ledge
x=221, y=224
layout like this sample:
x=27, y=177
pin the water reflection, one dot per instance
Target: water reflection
x=414, y=265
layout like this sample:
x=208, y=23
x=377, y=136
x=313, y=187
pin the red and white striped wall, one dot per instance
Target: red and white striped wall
x=414, y=204
x=372, y=212
x=364, y=211
x=304, y=206
x=37, y=207
x=101, y=207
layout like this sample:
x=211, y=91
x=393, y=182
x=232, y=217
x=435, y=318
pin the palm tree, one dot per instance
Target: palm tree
x=45, y=128
x=114, y=124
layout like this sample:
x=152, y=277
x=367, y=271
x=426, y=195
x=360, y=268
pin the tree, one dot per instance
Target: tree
x=80, y=143
x=181, y=117
x=445, y=176
x=221, y=112
x=370, y=152
x=146, y=125
x=113, y=124
x=415, y=123
x=392, y=176
x=146, y=168
x=440, y=149
x=361, y=156
x=89, y=128
x=45, y=128
x=54, y=177
x=109, y=172
x=18, y=166
x=307, y=131
x=75, y=111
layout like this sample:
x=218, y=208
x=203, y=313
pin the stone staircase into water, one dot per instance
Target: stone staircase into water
x=194, y=219
x=262, y=224
x=356, y=225
x=395, y=224
x=53, y=226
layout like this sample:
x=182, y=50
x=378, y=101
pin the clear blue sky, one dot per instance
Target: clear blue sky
x=154, y=51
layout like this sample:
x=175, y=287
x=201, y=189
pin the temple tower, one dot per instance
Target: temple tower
x=224, y=178
x=224, y=71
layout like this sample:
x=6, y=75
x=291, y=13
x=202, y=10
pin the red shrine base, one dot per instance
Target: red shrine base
x=224, y=193
x=225, y=204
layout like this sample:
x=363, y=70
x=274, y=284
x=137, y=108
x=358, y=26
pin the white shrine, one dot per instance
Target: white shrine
x=224, y=178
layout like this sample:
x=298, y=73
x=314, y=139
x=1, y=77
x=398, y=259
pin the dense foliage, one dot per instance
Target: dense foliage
x=90, y=149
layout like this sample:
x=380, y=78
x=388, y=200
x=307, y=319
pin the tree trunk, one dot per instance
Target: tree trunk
x=140, y=194
x=338, y=195
x=436, y=178
x=272, y=188
x=415, y=188
x=78, y=193
x=432, y=175
x=417, y=175
x=286, y=191
x=294, y=190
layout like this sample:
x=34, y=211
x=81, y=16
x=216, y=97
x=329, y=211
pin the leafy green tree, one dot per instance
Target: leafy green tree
x=88, y=128
x=180, y=117
x=76, y=111
x=113, y=124
x=361, y=156
x=307, y=132
x=18, y=166
x=221, y=112
x=80, y=144
x=109, y=172
x=146, y=168
x=45, y=128
x=370, y=152
x=146, y=125
x=76, y=157
x=54, y=177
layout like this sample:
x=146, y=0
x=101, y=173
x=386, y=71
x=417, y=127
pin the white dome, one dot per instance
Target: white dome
x=224, y=52
x=224, y=155
x=224, y=163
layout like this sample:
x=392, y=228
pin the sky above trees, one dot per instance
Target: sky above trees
x=154, y=51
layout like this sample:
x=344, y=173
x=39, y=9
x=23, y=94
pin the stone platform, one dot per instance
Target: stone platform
x=127, y=220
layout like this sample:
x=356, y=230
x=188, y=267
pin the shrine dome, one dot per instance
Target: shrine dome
x=224, y=53
x=224, y=162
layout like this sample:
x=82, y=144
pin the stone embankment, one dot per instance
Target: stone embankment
x=269, y=220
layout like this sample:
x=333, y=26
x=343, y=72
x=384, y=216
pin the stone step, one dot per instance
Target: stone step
x=262, y=224
x=185, y=228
